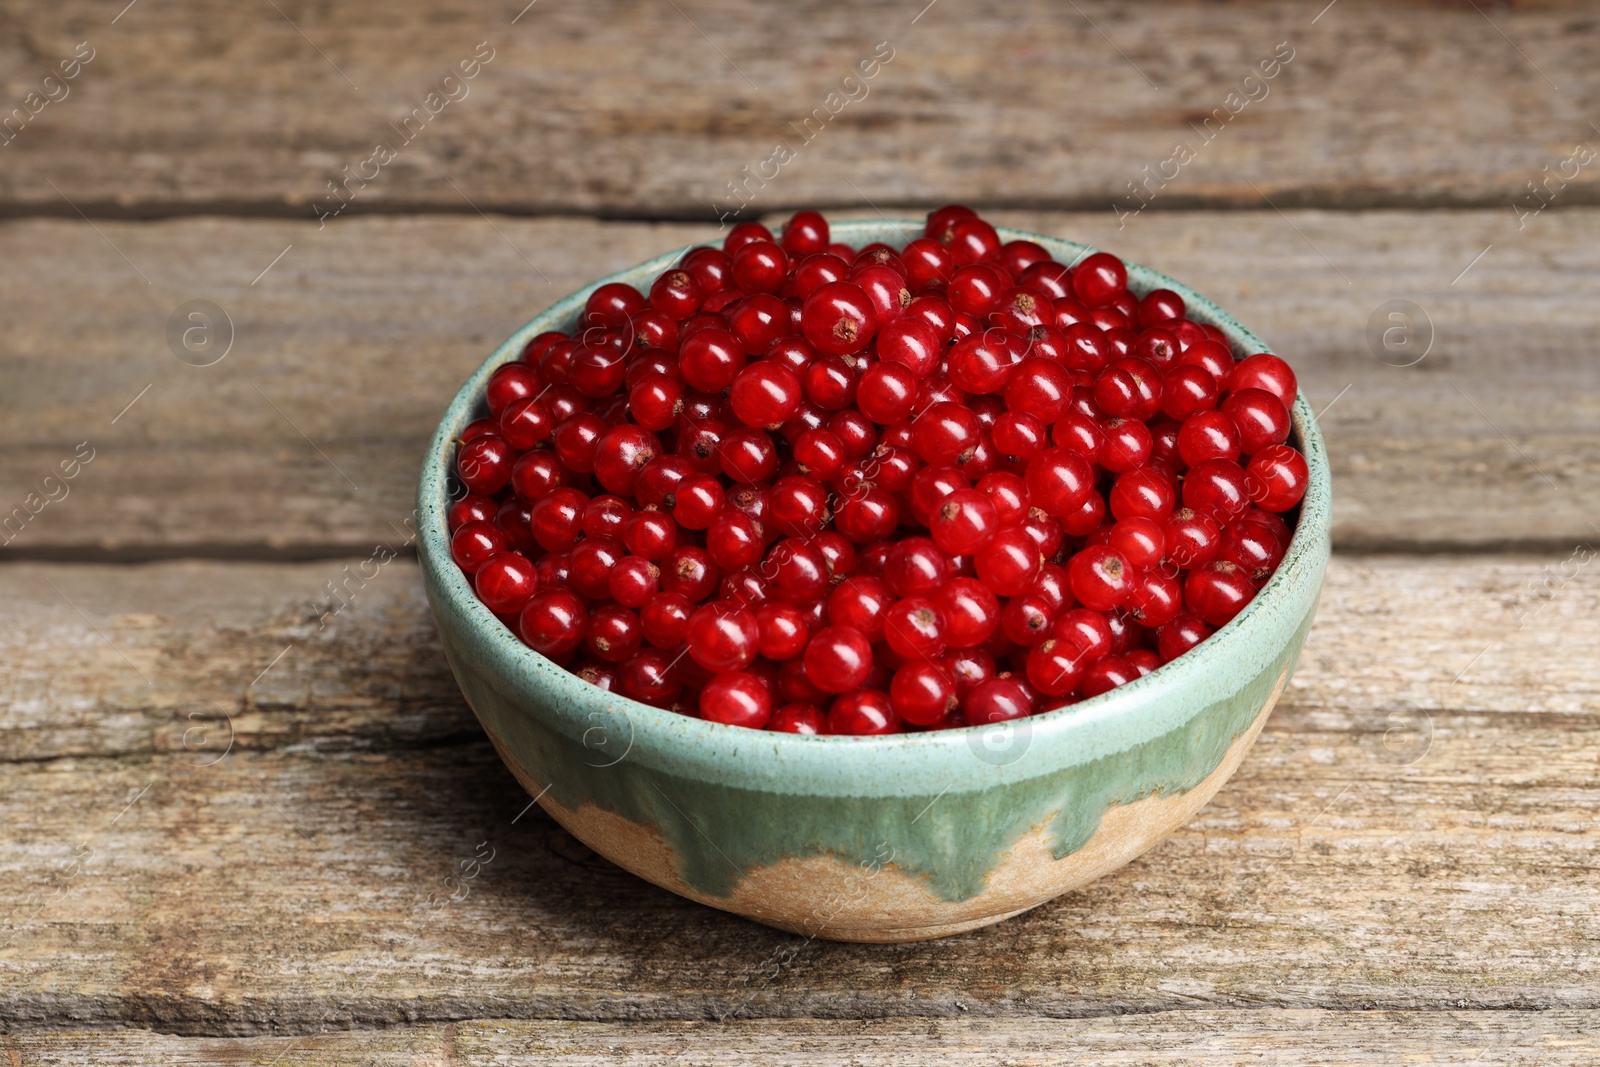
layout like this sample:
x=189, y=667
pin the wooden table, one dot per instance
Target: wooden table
x=234, y=829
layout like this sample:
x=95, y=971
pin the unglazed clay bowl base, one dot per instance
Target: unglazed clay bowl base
x=882, y=839
x=823, y=896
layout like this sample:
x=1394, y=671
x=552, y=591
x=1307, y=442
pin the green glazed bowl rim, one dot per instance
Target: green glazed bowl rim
x=897, y=764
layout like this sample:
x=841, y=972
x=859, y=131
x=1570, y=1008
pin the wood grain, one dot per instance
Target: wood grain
x=305, y=440
x=1267, y=1037
x=1397, y=840
x=638, y=109
x=249, y=655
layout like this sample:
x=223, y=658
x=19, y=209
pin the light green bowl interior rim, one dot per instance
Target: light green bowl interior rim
x=901, y=763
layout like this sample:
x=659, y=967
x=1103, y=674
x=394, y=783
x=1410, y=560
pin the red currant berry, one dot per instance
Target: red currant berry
x=1266, y=372
x=613, y=633
x=620, y=454
x=1217, y=488
x=998, y=700
x=1129, y=388
x=815, y=271
x=1101, y=578
x=553, y=623
x=975, y=289
x=760, y=266
x=648, y=676
x=1008, y=493
x=838, y=659
x=805, y=719
x=766, y=394
x=476, y=543
x=633, y=581
x=971, y=611
x=1217, y=591
x=1140, y=539
x=1020, y=436
x=1099, y=279
x=1087, y=631
x=664, y=619
x=806, y=233
x=922, y=693
x=1208, y=435
x=697, y=501
x=1047, y=276
x=1128, y=445
x=591, y=565
x=1059, y=481
x=1055, y=667
x=689, y=570
x=748, y=455
x=945, y=434
x=1041, y=388
x=964, y=522
x=941, y=220
x=912, y=342
x=723, y=637
x=557, y=519
x=711, y=360
x=1026, y=620
x=510, y=382
x=973, y=240
x=783, y=630
x=525, y=423
x=1009, y=562
x=733, y=541
x=1276, y=478
x=650, y=534
x=861, y=713
x=484, y=463
x=1252, y=547
x=1214, y=356
x=798, y=506
x=1144, y=493
x=859, y=603
x=1188, y=389
x=676, y=294
x=1155, y=600
x=1192, y=538
x=1105, y=674
x=886, y=392
x=737, y=698
x=474, y=507
x=829, y=383
x=1179, y=636
x=1159, y=347
x=838, y=319
x=1081, y=433
x=796, y=571
x=757, y=322
x=868, y=514
x=1261, y=417
x=742, y=234
x=915, y=566
x=914, y=628
x=885, y=288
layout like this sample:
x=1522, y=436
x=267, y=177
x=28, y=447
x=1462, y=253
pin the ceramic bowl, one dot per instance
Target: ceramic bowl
x=887, y=838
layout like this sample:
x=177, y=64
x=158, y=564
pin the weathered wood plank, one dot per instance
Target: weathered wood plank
x=179, y=660
x=642, y=109
x=1267, y=1037
x=305, y=439
x=1397, y=840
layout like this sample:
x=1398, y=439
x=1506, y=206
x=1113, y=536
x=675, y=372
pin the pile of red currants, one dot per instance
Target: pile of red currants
x=804, y=487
